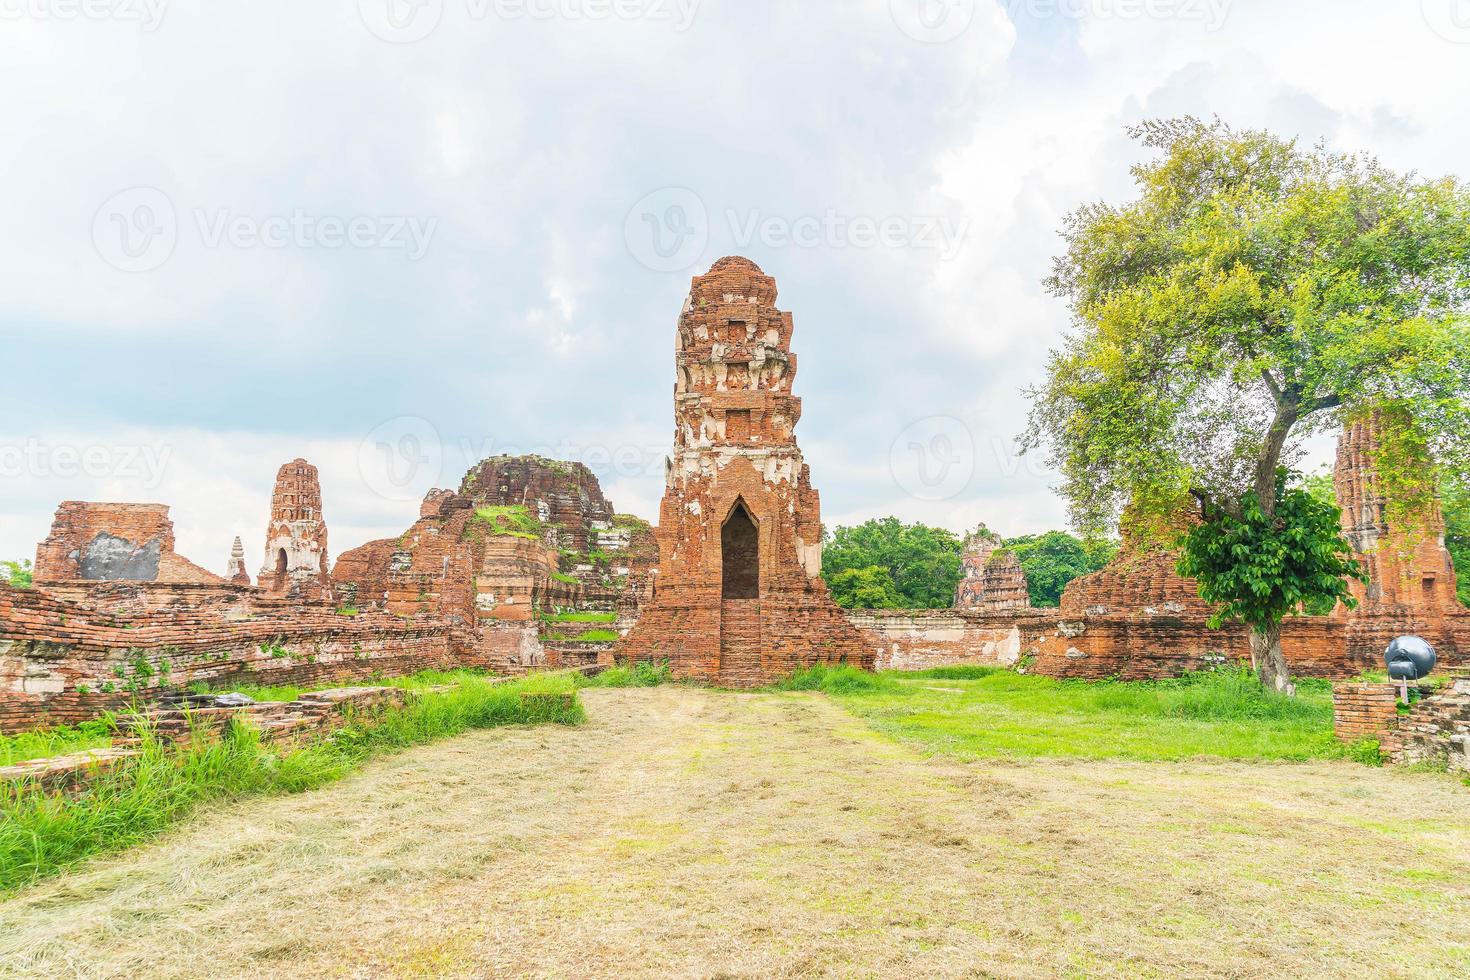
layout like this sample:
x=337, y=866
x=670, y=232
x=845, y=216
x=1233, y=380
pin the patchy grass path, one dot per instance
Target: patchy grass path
x=693, y=833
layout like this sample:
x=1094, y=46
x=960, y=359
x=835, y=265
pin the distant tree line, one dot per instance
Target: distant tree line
x=886, y=564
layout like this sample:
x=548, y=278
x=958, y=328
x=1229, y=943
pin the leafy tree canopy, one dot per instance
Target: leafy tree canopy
x=17, y=573
x=1261, y=566
x=870, y=587
x=1255, y=293
x=1053, y=559
x=923, y=563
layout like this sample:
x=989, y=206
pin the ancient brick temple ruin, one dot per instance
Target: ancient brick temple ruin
x=1411, y=585
x=523, y=541
x=235, y=567
x=527, y=565
x=991, y=575
x=95, y=542
x=739, y=599
x=296, y=538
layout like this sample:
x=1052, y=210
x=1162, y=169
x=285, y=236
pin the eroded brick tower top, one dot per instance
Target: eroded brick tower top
x=734, y=363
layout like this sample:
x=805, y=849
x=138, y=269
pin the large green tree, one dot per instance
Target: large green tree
x=1253, y=293
x=923, y=563
x=1053, y=559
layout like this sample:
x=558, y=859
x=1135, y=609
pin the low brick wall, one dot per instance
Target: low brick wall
x=917, y=639
x=68, y=655
x=1363, y=710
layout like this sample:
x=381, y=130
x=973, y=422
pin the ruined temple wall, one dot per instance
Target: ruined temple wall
x=1146, y=646
x=554, y=492
x=99, y=542
x=67, y=657
x=917, y=639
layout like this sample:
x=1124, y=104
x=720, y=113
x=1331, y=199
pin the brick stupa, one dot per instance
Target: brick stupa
x=1411, y=577
x=992, y=578
x=739, y=600
x=296, y=538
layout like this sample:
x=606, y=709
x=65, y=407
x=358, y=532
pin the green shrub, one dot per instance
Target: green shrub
x=1368, y=751
x=43, y=833
x=640, y=674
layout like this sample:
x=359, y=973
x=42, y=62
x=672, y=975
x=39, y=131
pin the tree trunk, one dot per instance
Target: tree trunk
x=1268, y=660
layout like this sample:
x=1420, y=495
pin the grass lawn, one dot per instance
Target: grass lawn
x=689, y=832
x=42, y=833
x=980, y=713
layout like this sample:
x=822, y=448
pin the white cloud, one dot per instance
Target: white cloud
x=529, y=322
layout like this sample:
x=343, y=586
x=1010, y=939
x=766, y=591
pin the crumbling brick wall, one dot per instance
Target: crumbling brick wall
x=69, y=655
x=109, y=542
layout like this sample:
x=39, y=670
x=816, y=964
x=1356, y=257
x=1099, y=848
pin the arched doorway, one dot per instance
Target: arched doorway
x=740, y=555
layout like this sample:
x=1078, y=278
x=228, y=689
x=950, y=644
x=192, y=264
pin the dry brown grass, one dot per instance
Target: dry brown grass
x=696, y=833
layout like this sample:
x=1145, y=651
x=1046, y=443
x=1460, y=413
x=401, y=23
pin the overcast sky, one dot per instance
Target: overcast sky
x=395, y=236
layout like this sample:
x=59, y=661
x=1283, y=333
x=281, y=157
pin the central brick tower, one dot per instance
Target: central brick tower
x=738, y=599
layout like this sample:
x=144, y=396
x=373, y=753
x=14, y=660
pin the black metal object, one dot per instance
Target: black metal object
x=1409, y=658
